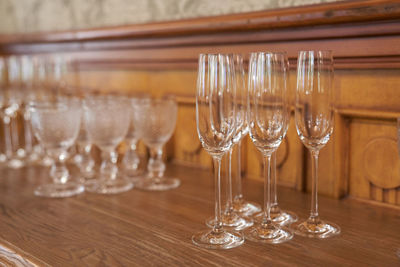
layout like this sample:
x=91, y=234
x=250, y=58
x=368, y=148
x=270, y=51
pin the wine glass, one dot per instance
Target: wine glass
x=14, y=150
x=107, y=122
x=216, y=126
x=131, y=159
x=157, y=127
x=56, y=125
x=314, y=123
x=27, y=78
x=279, y=216
x=3, y=73
x=231, y=218
x=267, y=116
x=40, y=91
x=241, y=205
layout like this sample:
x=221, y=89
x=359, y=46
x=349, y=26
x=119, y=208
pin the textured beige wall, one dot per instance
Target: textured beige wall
x=21, y=16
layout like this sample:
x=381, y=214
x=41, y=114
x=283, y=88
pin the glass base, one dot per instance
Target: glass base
x=133, y=173
x=15, y=163
x=87, y=175
x=163, y=184
x=246, y=208
x=59, y=190
x=33, y=158
x=232, y=221
x=101, y=186
x=281, y=218
x=136, y=180
x=222, y=239
x=3, y=158
x=316, y=229
x=268, y=233
x=46, y=161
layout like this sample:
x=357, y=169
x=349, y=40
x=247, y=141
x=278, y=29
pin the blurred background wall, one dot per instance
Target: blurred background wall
x=25, y=16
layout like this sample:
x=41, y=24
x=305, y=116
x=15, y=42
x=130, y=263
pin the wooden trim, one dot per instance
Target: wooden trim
x=363, y=34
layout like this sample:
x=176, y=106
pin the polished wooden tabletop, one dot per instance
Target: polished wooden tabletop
x=139, y=228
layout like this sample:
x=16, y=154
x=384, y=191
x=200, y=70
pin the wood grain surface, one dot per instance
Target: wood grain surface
x=140, y=228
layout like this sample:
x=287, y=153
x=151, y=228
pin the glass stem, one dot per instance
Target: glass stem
x=59, y=171
x=314, y=189
x=14, y=134
x=229, y=207
x=156, y=166
x=274, y=181
x=217, y=177
x=108, y=167
x=7, y=136
x=131, y=159
x=239, y=194
x=87, y=163
x=267, y=189
x=28, y=134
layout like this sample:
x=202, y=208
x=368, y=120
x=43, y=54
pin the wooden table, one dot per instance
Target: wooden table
x=140, y=228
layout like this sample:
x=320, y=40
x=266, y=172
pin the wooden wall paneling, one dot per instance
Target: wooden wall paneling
x=373, y=90
x=374, y=165
x=161, y=58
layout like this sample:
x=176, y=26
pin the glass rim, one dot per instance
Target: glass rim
x=316, y=51
x=104, y=97
x=269, y=52
x=46, y=105
x=218, y=54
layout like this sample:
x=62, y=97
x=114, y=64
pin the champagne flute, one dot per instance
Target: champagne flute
x=268, y=116
x=14, y=150
x=3, y=74
x=314, y=123
x=232, y=218
x=241, y=205
x=279, y=216
x=216, y=125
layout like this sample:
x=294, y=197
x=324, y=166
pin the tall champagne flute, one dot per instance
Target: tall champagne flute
x=3, y=73
x=281, y=217
x=314, y=123
x=28, y=96
x=216, y=125
x=41, y=91
x=230, y=217
x=14, y=150
x=267, y=115
x=241, y=205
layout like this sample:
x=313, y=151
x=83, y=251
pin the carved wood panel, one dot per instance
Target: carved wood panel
x=374, y=161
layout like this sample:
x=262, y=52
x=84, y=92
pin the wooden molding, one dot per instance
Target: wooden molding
x=362, y=34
